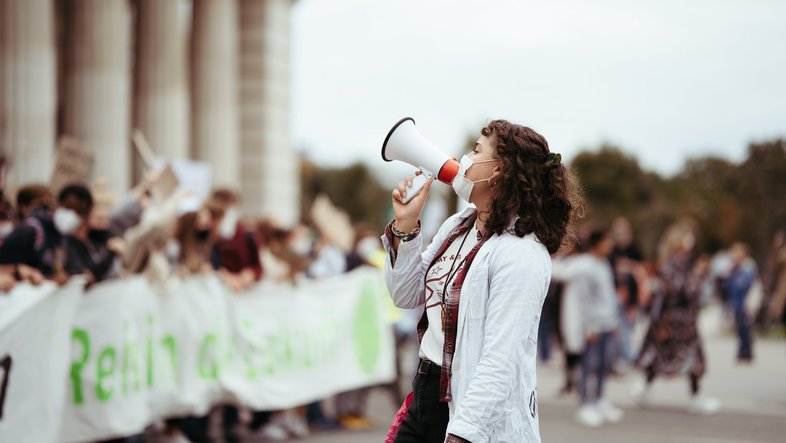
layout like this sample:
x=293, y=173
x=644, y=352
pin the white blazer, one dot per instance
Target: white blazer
x=494, y=382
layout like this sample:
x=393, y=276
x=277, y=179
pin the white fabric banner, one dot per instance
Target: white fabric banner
x=140, y=353
x=35, y=326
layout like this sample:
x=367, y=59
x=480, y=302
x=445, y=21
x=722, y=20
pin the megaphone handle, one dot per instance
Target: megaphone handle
x=417, y=185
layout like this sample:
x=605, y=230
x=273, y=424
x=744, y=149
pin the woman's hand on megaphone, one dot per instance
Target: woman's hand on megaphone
x=407, y=214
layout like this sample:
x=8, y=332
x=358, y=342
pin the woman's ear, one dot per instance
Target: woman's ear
x=495, y=176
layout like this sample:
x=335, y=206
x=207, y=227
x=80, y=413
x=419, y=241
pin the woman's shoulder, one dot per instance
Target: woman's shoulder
x=526, y=249
x=528, y=243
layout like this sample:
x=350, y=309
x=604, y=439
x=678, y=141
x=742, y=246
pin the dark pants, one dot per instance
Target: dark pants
x=427, y=417
x=594, y=364
x=745, y=351
x=572, y=362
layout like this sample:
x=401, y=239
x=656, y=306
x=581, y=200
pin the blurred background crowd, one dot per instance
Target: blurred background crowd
x=613, y=311
x=78, y=231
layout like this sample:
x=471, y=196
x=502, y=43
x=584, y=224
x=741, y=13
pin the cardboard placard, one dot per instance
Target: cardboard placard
x=143, y=149
x=73, y=165
x=165, y=185
x=333, y=223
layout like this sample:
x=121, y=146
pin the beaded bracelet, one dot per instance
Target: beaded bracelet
x=402, y=237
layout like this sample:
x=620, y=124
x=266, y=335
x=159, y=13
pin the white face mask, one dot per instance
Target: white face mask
x=228, y=225
x=6, y=228
x=461, y=184
x=300, y=246
x=66, y=221
x=367, y=247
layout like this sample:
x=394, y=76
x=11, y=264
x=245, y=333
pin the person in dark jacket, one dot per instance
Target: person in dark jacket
x=86, y=251
x=236, y=251
x=34, y=242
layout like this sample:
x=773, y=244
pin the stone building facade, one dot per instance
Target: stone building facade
x=202, y=79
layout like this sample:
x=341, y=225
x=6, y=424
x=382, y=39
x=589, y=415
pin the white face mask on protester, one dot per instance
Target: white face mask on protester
x=6, y=228
x=300, y=246
x=66, y=221
x=461, y=184
x=367, y=247
x=228, y=225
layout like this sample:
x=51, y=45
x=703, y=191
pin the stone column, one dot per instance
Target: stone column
x=270, y=178
x=98, y=84
x=214, y=118
x=160, y=82
x=27, y=88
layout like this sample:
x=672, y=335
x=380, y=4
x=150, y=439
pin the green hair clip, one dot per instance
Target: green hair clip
x=554, y=158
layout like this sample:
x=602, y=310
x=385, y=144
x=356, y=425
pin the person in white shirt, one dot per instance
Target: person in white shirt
x=592, y=281
x=482, y=281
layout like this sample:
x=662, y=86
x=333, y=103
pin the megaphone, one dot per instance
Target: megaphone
x=405, y=143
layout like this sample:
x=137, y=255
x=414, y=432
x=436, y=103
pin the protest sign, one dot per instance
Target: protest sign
x=111, y=361
x=35, y=340
x=73, y=164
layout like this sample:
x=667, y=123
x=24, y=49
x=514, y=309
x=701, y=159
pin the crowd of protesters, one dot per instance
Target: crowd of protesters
x=79, y=230
x=604, y=290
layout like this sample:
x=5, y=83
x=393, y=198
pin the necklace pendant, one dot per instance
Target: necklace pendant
x=443, y=318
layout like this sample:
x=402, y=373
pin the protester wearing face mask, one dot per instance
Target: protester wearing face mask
x=194, y=236
x=364, y=251
x=97, y=251
x=85, y=251
x=280, y=262
x=482, y=281
x=31, y=246
x=236, y=252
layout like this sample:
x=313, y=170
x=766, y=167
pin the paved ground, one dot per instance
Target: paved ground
x=753, y=397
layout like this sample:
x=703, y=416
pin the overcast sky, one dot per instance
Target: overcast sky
x=664, y=80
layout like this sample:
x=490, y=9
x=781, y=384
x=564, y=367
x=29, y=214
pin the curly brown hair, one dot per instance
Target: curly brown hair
x=534, y=193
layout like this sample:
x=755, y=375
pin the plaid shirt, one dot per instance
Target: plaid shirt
x=451, y=304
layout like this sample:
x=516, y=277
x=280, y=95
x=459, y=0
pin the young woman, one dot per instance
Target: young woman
x=482, y=280
x=673, y=346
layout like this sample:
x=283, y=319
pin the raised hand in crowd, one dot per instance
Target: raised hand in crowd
x=116, y=245
x=7, y=281
x=29, y=274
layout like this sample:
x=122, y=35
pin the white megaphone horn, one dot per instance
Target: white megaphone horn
x=405, y=143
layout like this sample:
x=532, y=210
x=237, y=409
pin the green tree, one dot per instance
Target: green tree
x=762, y=187
x=706, y=190
x=613, y=183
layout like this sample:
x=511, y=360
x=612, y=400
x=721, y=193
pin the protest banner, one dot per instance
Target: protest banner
x=35, y=326
x=128, y=353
